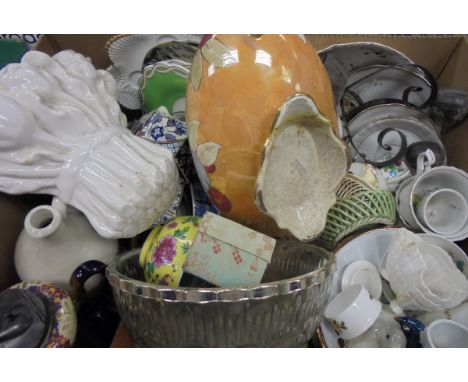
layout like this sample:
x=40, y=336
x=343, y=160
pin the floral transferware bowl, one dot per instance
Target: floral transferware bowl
x=253, y=101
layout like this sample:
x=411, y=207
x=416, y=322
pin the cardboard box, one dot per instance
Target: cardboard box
x=445, y=56
x=228, y=254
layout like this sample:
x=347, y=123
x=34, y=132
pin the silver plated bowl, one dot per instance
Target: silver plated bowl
x=275, y=313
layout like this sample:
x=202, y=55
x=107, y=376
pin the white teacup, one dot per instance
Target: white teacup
x=444, y=211
x=441, y=177
x=353, y=311
x=458, y=314
x=445, y=334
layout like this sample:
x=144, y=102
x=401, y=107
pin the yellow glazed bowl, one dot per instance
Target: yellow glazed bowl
x=237, y=86
x=165, y=250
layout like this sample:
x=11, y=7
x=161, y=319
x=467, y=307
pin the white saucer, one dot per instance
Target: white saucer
x=363, y=273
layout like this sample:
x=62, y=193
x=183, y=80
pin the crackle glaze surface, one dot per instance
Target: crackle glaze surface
x=237, y=86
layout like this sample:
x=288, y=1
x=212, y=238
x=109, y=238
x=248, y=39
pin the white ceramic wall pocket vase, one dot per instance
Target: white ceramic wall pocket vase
x=62, y=133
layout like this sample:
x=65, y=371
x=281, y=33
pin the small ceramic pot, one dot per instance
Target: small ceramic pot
x=353, y=311
x=445, y=334
x=166, y=248
x=56, y=239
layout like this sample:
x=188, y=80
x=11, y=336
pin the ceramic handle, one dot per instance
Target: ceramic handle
x=83, y=273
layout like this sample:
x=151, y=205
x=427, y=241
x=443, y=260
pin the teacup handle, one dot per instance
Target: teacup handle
x=425, y=161
x=81, y=274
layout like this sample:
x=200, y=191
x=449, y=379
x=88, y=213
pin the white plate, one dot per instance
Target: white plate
x=374, y=83
x=363, y=273
x=341, y=60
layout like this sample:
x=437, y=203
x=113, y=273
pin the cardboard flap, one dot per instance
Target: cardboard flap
x=238, y=236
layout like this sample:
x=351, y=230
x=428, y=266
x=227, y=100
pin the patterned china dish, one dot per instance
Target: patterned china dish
x=165, y=250
x=37, y=314
x=268, y=162
x=127, y=54
x=160, y=127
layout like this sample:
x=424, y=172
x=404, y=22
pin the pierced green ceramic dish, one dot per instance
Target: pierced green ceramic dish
x=356, y=213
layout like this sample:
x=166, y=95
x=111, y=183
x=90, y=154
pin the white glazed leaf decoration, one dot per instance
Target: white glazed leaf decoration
x=62, y=133
x=192, y=128
x=219, y=55
x=207, y=153
x=196, y=70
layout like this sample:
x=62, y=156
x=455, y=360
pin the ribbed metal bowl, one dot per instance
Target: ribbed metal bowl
x=273, y=314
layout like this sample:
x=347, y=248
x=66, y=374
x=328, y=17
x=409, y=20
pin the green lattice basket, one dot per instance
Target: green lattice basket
x=357, y=208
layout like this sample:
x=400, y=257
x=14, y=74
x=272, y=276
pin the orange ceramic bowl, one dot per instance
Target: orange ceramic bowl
x=237, y=86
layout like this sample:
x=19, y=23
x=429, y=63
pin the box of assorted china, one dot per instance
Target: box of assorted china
x=336, y=163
